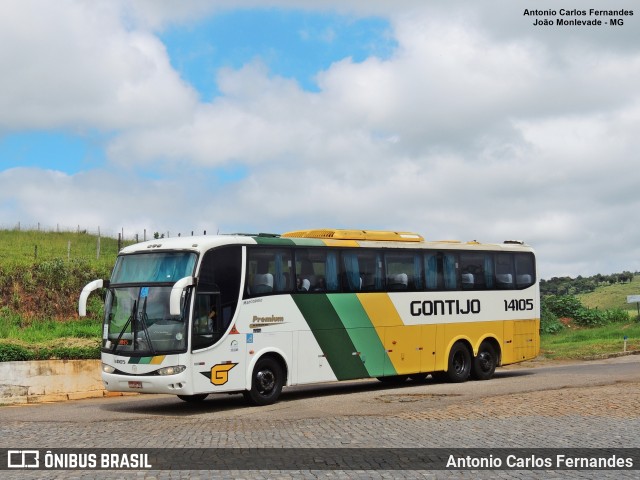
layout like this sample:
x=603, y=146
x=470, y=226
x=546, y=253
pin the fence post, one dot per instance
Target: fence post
x=68, y=249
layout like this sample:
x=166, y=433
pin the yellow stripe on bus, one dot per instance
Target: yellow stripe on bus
x=380, y=310
x=340, y=243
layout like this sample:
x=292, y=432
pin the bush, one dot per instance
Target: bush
x=11, y=352
x=570, y=307
x=586, y=317
x=617, y=315
x=14, y=353
x=549, y=322
x=69, y=353
x=563, y=306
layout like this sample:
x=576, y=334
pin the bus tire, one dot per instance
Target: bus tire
x=484, y=365
x=193, y=398
x=459, y=367
x=266, y=382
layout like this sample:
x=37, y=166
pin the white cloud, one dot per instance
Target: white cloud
x=73, y=64
x=111, y=201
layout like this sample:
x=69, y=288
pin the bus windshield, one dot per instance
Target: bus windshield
x=137, y=319
x=157, y=267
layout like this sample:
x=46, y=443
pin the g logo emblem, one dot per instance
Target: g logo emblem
x=220, y=373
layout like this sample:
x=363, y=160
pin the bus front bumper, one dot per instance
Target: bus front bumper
x=173, y=384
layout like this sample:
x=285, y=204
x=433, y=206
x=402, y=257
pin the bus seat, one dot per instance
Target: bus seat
x=312, y=280
x=524, y=279
x=306, y=285
x=263, y=283
x=398, y=281
x=504, y=279
x=368, y=281
x=467, y=280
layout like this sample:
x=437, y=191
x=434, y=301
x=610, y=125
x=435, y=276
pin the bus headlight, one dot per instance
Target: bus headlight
x=107, y=368
x=171, y=370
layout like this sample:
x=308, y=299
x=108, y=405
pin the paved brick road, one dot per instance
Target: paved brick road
x=541, y=407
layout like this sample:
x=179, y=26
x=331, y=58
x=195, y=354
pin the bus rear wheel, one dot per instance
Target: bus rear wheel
x=266, y=382
x=459, y=367
x=484, y=365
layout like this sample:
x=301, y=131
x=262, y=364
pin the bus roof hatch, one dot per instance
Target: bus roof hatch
x=372, y=235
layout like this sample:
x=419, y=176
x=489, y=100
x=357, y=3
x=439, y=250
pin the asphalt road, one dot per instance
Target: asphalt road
x=592, y=404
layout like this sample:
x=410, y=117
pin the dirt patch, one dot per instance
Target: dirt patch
x=411, y=397
x=620, y=400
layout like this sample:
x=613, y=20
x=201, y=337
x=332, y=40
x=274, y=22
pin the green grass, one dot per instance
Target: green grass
x=574, y=343
x=613, y=296
x=41, y=276
x=578, y=343
x=47, y=339
x=13, y=327
x=23, y=248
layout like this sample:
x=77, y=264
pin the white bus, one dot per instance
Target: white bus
x=192, y=316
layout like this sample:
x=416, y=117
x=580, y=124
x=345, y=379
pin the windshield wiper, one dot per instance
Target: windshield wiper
x=129, y=320
x=143, y=319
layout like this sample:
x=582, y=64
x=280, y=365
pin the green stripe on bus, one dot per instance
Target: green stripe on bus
x=274, y=241
x=331, y=335
x=140, y=360
x=309, y=242
x=361, y=331
x=287, y=242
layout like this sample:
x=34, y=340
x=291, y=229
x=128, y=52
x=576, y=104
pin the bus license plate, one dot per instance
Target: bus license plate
x=135, y=384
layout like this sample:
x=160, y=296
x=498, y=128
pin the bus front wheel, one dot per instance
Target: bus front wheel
x=266, y=382
x=484, y=365
x=459, y=367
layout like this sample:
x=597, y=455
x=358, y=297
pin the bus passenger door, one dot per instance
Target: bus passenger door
x=215, y=361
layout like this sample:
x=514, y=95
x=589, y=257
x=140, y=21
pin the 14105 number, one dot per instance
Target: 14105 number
x=519, y=305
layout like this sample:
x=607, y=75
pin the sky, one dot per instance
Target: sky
x=456, y=120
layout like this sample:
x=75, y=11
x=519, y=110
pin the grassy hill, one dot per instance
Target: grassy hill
x=613, y=296
x=42, y=273
x=19, y=247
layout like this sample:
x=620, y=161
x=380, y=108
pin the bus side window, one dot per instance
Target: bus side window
x=316, y=270
x=269, y=270
x=207, y=325
x=476, y=271
x=525, y=271
x=352, y=279
x=450, y=271
x=222, y=267
x=403, y=270
x=362, y=271
x=504, y=271
x=431, y=270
